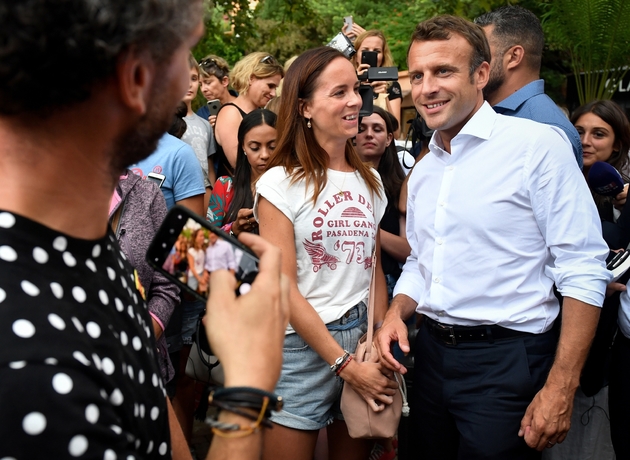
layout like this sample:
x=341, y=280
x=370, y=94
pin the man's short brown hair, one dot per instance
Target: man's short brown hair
x=443, y=27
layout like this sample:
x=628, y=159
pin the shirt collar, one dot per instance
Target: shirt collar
x=480, y=125
x=515, y=100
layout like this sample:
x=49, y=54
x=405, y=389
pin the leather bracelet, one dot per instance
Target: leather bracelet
x=343, y=366
x=339, y=361
x=233, y=430
x=235, y=410
x=251, y=398
x=241, y=402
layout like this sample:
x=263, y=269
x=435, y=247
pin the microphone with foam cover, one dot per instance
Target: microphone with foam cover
x=605, y=179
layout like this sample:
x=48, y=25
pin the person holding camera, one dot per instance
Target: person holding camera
x=372, y=51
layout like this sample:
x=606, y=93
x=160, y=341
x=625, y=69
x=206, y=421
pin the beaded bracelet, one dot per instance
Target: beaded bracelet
x=343, y=366
x=234, y=430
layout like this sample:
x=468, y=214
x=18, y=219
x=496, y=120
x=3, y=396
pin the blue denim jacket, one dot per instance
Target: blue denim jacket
x=531, y=102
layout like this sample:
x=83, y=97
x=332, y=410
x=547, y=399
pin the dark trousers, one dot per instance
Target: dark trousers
x=469, y=398
x=619, y=396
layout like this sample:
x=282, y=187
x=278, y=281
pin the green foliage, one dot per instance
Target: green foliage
x=399, y=18
x=583, y=35
x=596, y=36
x=229, y=25
x=286, y=28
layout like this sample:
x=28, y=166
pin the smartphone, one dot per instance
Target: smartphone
x=369, y=57
x=348, y=22
x=157, y=178
x=185, y=233
x=213, y=106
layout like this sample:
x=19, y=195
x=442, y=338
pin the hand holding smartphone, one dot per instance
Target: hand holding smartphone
x=348, y=24
x=619, y=264
x=370, y=58
x=214, y=106
x=187, y=243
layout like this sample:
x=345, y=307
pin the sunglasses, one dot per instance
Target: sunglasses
x=210, y=63
x=269, y=60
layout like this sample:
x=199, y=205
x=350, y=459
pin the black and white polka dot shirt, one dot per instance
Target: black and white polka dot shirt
x=78, y=374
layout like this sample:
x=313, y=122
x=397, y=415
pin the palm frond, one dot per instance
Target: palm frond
x=596, y=34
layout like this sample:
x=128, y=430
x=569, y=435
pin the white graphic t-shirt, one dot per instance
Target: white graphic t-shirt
x=334, y=239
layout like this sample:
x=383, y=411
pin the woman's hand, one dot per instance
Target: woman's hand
x=361, y=68
x=620, y=199
x=244, y=222
x=379, y=87
x=212, y=119
x=368, y=380
x=354, y=32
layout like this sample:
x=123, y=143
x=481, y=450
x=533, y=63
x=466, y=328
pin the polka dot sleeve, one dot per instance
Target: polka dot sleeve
x=78, y=373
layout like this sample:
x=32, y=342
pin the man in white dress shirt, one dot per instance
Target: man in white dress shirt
x=219, y=255
x=497, y=212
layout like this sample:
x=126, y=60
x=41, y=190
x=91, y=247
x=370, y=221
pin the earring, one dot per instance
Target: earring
x=308, y=123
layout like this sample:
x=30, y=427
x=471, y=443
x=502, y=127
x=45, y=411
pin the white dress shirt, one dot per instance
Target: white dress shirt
x=220, y=256
x=495, y=223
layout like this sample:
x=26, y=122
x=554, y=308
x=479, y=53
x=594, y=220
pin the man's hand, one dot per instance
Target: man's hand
x=394, y=330
x=548, y=418
x=247, y=333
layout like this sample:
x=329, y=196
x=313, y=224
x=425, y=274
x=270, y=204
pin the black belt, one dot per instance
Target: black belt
x=452, y=335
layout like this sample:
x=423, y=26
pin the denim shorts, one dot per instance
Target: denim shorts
x=311, y=392
x=191, y=310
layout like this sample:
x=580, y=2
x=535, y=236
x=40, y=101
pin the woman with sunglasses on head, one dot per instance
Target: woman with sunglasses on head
x=321, y=205
x=214, y=76
x=255, y=77
x=232, y=198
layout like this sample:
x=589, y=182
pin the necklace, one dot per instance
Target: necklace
x=341, y=191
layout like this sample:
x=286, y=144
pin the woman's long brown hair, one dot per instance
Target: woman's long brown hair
x=297, y=148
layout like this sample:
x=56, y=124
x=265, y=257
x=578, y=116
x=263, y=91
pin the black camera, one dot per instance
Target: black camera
x=366, y=91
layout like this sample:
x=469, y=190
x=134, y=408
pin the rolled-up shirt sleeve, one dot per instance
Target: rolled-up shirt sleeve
x=569, y=222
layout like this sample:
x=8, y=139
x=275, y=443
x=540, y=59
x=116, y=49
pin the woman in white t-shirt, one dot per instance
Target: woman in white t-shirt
x=196, y=259
x=322, y=205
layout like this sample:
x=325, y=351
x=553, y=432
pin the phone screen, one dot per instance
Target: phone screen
x=157, y=178
x=187, y=249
